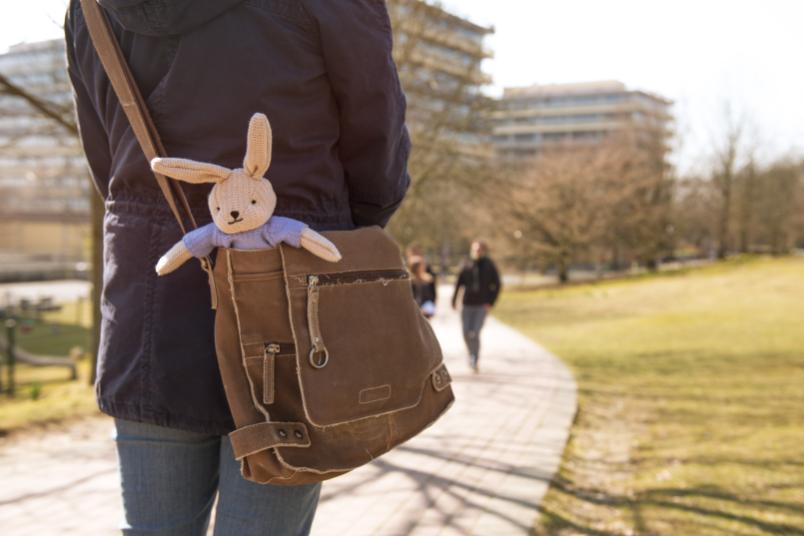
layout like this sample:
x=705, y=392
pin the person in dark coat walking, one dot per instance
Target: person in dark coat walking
x=323, y=73
x=480, y=282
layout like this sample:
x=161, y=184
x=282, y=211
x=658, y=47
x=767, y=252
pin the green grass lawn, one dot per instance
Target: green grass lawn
x=691, y=400
x=46, y=394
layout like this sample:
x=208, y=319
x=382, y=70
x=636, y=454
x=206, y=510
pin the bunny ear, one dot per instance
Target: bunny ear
x=258, y=149
x=190, y=170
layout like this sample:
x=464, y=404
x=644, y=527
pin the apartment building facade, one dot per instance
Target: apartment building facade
x=44, y=184
x=530, y=119
x=440, y=56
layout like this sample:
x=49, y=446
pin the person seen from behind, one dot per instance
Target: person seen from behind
x=423, y=280
x=324, y=75
x=479, y=281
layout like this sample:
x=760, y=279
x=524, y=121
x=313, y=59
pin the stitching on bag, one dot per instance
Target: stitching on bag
x=263, y=276
x=230, y=278
x=331, y=279
x=299, y=364
x=268, y=379
x=427, y=380
x=441, y=378
x=345, y=469
x=301, y=278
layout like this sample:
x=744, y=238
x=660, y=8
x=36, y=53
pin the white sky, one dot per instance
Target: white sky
x=700, y=53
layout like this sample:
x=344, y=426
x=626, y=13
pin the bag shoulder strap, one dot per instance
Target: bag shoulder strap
x=133, y=104
x=113, y=61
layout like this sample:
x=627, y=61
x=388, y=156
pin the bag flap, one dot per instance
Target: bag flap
x=363, y=347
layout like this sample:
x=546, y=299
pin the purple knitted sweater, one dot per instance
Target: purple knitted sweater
x=277, y=229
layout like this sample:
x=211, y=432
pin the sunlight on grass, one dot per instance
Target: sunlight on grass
x=47, y=394
x=77, y=313
x=691, y=408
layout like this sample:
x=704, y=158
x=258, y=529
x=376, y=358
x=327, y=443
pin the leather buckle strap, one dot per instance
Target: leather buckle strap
x=255, y=438
x=441, y=378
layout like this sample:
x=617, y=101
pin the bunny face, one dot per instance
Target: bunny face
x=241, y=203
x=241, y=199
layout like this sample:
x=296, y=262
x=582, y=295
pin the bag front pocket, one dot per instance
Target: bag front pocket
x=364, y=349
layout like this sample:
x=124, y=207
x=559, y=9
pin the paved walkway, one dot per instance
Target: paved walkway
x=482, y=469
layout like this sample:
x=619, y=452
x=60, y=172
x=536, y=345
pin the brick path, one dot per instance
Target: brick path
x=482, y=469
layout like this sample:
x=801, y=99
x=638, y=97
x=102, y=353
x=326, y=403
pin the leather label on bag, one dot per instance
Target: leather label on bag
x=375, y=394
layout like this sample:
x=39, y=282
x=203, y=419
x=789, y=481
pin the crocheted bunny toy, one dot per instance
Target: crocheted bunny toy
x=242, y=204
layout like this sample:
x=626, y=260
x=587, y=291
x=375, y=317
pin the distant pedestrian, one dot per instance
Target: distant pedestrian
x=423, y=280
x=480, y=282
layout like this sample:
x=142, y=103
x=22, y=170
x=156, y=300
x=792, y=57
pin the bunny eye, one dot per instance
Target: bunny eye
x=253, y=201
x=218, y=209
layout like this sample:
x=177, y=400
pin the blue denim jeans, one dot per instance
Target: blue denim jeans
x=170, y=479
x=472, y=319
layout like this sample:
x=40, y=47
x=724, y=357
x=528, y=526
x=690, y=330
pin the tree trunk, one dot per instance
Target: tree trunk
x=725, y=216
x=615, y=257
x=563, y=270
x=747, y=203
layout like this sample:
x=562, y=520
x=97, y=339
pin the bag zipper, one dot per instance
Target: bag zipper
x=279, y=348
x=272, y=349
x=359, y=276
x=319, y=355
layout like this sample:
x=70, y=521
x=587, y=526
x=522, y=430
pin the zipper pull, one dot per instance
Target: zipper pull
x=272, y=349
x=319, y=356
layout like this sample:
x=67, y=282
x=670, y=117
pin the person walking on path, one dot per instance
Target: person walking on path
x=480, y=282
x=423, y=281
x=323, y=73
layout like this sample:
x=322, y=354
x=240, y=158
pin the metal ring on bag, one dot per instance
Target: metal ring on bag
x=319, y=364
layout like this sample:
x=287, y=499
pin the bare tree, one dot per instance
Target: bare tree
x=440, y=71
x=63, y=118
x=747, y=187
x=54, y=111
x=640, y=195
x=558, y=207
x=726, y=158
x=692, y=218
x=779, y=205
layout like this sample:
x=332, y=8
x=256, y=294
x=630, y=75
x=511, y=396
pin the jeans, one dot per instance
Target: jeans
x=170, y=479
x=472, y=318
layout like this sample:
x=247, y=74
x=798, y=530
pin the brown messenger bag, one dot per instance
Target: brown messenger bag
x=325, y=366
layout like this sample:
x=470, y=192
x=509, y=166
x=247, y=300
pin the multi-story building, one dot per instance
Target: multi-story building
x=44, y=184
x=439, y=56
x=531, y=119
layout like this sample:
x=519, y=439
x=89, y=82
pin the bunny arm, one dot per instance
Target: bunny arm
x=175, y=257
x=319, y=246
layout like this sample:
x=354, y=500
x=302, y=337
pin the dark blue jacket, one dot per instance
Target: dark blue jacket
x=480, y=281
x=321, y=70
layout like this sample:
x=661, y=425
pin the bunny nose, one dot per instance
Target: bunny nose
x=234, y=214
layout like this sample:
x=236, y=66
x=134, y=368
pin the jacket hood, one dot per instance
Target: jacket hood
x=165, y=17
